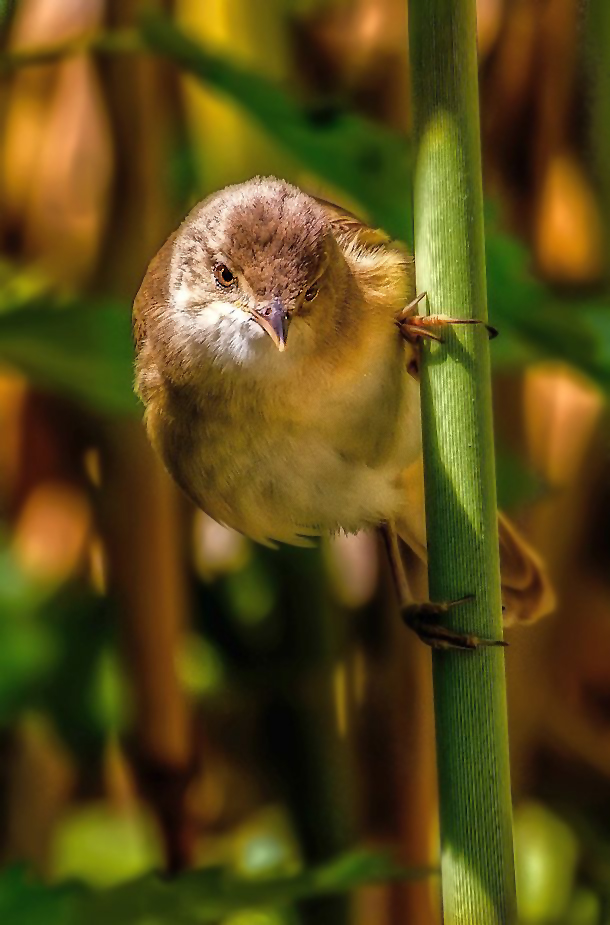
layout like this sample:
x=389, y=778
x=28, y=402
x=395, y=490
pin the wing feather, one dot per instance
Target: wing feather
x=352, y=229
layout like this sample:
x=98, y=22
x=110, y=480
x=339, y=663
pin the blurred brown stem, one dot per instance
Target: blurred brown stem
x=145, y=528
x=147, y=572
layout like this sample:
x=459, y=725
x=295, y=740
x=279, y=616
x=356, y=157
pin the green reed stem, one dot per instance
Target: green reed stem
x=469, y=687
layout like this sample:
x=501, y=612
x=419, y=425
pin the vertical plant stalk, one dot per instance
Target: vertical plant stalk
x=469, y=687
x=597, y=50
x=144, y=530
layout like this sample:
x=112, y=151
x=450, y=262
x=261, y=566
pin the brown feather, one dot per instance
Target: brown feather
x=314, y=439
x=346, y=224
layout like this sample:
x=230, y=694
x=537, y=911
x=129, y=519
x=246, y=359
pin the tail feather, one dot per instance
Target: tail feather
x=527, y=592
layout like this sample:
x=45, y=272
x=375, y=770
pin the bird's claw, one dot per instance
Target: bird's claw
x=415, y=327
x=422, y=617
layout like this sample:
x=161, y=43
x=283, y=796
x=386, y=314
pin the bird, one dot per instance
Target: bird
x=277, y=359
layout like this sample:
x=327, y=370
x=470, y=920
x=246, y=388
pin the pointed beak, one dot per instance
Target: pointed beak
x=274, y=320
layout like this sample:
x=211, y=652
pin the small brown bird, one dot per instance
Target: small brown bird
x=276, y=360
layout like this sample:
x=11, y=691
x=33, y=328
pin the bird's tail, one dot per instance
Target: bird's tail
x=527, y=592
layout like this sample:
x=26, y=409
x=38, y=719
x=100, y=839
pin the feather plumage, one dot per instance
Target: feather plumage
x=321, y=437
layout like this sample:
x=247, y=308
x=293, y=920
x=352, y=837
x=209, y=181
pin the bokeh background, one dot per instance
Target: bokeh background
x=171, y=696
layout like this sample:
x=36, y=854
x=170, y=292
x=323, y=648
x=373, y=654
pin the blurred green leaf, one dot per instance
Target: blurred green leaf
x=536, y=325
x=369, y=162
x=516, y=482
x=585, y=908
x=75, y=345
x=259, y=917
x=108, y=690
x=85, y=845
x=27, y=646
x=81, y=350
x=251, y=593
x=266, y=847
x=546, y=855
x=200, y=667
x=313, y=7
x=207, y=895
x=83, y=691
x=195, y=898
x=56, y=656
x=26, y=901
x=7, y=9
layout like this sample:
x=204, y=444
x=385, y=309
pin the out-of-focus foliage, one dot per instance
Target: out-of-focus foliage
x=85, y=846
x=370, y=164
x=547, y=854
x=56, y=657
x=537, y=325
x=363, y=159
x=293, y=699
x=203, y=896
x=87, y=343
x=77, y=345
x=562, y=872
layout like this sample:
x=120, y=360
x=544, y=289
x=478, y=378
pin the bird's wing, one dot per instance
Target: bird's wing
x=348, y=226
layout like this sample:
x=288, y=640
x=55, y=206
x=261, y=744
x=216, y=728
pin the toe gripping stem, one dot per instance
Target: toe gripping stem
x=414, y=327
x=422, y=618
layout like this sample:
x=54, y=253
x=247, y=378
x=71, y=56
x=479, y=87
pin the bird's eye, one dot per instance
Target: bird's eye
x=223, y=276
x=311, y=293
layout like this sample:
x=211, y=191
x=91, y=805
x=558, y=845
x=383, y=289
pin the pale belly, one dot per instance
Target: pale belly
x=274, y=475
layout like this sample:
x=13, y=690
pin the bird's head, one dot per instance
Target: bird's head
x=255, y=275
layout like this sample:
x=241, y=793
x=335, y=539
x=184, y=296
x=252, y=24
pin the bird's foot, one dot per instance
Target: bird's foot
x=422, y=619
x=415, y=327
